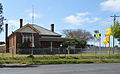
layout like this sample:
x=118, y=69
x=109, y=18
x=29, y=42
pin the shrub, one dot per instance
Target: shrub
x=30, y=56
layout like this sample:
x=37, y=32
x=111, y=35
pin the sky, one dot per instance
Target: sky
x=88, y=15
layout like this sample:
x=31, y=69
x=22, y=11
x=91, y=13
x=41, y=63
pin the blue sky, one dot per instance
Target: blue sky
x=88, y=15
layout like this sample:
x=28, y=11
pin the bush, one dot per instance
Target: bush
x=30, y=56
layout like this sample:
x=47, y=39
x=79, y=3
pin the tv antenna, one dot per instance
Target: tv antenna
x=32, y=14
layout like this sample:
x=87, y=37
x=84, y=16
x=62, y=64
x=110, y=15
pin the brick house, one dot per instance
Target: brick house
x=37, y=36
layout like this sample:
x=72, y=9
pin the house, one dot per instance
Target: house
x=33, y=38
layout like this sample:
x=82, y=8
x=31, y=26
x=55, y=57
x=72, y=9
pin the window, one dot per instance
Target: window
x=28, y=38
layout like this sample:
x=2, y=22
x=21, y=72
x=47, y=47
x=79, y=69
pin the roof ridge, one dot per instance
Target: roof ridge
x=43, y=28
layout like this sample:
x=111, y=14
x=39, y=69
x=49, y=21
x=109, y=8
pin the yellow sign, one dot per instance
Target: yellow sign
x=108, y=29
x=109, y=33
x=105, y=42
x=97, y=35
x=107, y=38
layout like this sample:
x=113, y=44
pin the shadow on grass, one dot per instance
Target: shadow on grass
x=18, y=66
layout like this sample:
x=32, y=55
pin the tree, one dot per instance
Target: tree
x=78, y=34
x=116, y=31
x=1, y=18
x=81, y=37
x=80, y=43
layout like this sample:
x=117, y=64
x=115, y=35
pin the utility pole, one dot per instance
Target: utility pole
x=114, y=20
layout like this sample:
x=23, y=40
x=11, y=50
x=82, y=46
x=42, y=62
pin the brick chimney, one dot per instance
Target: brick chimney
x=6, y=37
x=52, y=27
x=21, y=23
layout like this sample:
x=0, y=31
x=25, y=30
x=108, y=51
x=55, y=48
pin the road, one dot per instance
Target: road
x=113, y=68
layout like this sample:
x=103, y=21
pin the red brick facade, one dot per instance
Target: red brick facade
x=43, y=38
x=12, y=43
x=15, y=40
x=36, y=40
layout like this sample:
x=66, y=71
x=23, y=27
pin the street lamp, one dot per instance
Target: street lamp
x=60, y=47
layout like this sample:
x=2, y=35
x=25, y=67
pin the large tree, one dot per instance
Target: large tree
x=116, y=31
x=79, y=34
x=81, y=37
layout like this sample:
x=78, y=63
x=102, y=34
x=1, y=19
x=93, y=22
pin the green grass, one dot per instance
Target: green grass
x=60, y=61
x=83, y=54
x=7, y=58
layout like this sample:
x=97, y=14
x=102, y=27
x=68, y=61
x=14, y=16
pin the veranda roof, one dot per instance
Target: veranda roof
x=56, y=39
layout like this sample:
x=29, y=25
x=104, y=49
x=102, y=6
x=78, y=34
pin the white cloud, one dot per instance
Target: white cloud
x=35, y=15
x=81, y=18
x=13, y=25
x=111, y=5
x=95, y=19
x=13, y=22
x=83, y=14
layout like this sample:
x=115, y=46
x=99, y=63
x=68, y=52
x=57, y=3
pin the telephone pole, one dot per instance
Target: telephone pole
x=114, y=20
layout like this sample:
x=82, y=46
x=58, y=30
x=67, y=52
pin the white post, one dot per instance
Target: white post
x=100, y=51
x=68, y=49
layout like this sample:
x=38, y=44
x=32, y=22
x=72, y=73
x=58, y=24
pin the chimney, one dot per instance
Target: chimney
x=6, y=37
x=21, y=23
x=52, y=27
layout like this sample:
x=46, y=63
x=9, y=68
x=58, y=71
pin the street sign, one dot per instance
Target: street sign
x=97, y=35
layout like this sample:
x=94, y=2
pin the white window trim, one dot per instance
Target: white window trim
x=31, y=38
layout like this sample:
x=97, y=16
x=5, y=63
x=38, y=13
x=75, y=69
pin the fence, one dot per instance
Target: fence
x=91, y=51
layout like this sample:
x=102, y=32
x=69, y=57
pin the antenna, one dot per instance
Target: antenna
x=32, y=31
x=32, y=14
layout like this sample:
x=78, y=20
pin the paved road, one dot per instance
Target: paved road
x=113, y=68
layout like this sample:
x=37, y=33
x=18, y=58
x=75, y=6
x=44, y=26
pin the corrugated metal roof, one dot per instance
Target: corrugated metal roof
x=40, y=30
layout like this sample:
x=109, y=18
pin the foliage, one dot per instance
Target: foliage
x=78, y=34
x=1, y=29
x=81, y=37
x=24, y=45
x=30, y=56
x=79, y=43
x=1, y=18
x=116, y=31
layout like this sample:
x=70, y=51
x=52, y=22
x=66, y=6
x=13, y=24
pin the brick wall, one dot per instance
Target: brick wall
x=18, y=39
x=15, y=40
x=12, y=43
x=37, y=40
